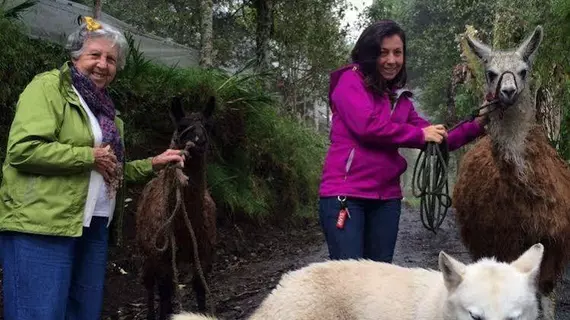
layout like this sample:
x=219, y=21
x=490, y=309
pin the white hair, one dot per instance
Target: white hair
x=76, y=41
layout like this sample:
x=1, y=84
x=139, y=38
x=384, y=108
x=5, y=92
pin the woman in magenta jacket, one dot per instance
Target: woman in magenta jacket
x=373, y=116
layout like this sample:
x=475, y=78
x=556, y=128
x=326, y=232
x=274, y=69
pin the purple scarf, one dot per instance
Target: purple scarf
x=100, y=103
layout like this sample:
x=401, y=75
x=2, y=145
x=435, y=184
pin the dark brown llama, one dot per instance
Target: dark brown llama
x=160, y=221
x=513, y=189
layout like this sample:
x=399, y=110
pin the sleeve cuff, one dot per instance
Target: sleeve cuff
x=85, y=156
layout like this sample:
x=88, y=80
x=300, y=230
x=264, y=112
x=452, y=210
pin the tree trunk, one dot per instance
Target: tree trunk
x=97, y=9
x=451, y=114
x=264, y=10
x=206, y=31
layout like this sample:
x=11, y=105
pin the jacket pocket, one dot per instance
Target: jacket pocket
x=349, y=161
x=56, y=190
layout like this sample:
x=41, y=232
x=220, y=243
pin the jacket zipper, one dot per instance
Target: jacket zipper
x=393, y=105
x=83, y=112
x=349, y=162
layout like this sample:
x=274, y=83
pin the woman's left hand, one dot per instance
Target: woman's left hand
x=168, y=156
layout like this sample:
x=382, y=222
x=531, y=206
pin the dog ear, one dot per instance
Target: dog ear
x=452, y=271
x=529, y=262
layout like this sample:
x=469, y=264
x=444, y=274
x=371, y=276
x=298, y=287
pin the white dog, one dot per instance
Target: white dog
x=367, y=290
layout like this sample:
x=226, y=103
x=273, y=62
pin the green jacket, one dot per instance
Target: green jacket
x=49, y=159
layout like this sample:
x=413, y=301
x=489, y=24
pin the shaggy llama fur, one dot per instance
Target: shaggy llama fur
x=157, y=204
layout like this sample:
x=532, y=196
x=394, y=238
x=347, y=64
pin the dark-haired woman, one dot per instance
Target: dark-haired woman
x=372, y=116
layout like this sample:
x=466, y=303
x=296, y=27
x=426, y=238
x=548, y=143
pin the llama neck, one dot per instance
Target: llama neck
x=509, y=130
x=195, y=169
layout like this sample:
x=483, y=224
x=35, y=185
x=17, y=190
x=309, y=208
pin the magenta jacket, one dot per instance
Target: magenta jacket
x=363, y=159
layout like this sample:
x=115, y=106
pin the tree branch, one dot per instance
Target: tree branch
x=240, y=8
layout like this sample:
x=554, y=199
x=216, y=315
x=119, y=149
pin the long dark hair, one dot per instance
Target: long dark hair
x=367, y=50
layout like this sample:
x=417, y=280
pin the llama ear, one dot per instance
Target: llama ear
x=176, y=110
x=529, y=262
x=481, y=50
x=209, y=109
x=452, y=271
x=527, y=49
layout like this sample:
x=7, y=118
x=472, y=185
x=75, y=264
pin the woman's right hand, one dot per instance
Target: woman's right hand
x=105, y=162
x=435, y=133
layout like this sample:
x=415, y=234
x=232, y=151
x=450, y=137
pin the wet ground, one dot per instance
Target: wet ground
x=251, y=260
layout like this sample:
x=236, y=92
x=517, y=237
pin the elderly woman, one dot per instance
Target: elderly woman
x=63, y=182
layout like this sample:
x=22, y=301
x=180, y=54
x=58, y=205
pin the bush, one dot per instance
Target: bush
x=16, y=71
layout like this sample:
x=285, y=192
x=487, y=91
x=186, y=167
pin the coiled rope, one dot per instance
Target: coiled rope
x=430, y=184
x=167, y=231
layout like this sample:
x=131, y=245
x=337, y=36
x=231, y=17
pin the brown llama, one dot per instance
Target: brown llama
x=513, y=189
x=162, y=225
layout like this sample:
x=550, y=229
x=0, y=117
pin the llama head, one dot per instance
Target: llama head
x=492, y=290
x=507, y=72
x=510, y=120
x=192, y=128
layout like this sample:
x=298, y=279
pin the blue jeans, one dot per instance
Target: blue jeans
x=369, y=233
x=55, y=278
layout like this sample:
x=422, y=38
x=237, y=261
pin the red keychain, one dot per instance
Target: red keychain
x=341, y=218
x=343, y=213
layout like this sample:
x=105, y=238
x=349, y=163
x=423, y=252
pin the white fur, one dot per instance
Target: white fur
x=191, y=316
x=367, y=290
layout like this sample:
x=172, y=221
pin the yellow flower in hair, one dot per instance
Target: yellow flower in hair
x=92, y=25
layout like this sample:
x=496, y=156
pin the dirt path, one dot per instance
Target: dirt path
x=251, y=261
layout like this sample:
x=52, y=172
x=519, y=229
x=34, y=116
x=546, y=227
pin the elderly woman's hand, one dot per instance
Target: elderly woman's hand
x=105, y=162
x=168, y=156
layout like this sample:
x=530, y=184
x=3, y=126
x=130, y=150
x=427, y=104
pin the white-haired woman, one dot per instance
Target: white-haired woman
x=63, y=182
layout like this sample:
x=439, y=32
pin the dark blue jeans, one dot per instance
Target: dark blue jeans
x=55, y=278
x=370, y=233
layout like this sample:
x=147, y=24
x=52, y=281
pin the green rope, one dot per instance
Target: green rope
x=430, y=178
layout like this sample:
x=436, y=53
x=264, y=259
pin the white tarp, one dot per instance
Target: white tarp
x=54, y=20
